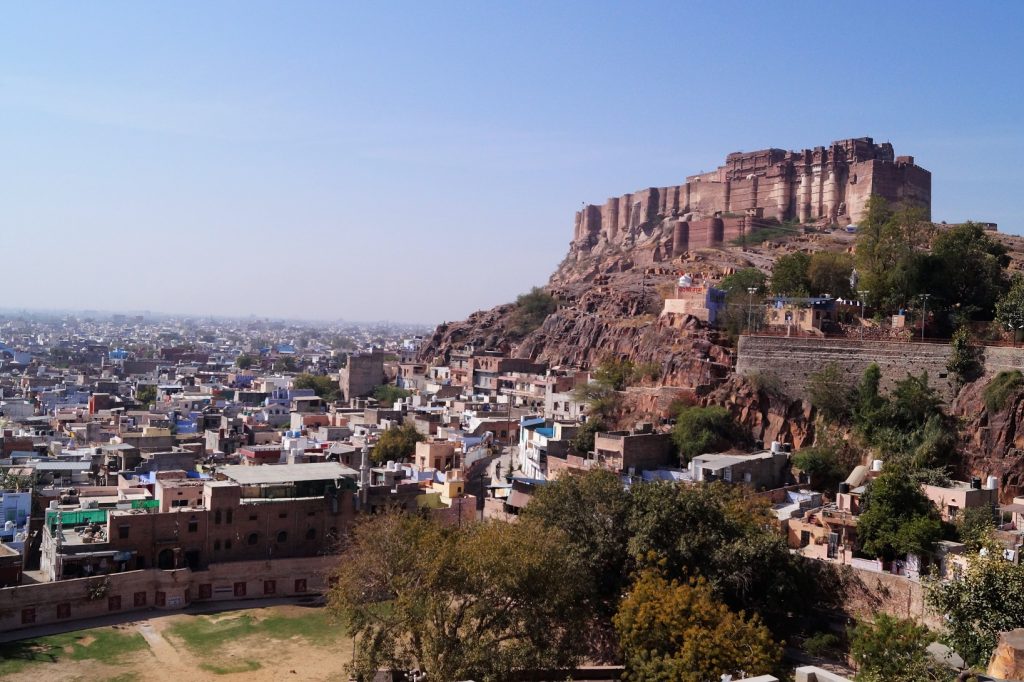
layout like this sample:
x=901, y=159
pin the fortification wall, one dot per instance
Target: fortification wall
x=26, y=606
x=794, y=360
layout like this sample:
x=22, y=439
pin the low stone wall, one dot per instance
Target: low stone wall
x=794, y=360
x=26, y=606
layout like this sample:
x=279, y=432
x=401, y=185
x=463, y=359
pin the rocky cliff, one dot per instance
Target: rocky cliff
x=992, y=442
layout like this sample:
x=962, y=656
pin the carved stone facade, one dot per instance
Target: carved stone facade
x=830, y=184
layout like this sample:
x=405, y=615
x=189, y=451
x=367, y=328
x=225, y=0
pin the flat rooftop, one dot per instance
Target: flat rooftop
x=286, y=473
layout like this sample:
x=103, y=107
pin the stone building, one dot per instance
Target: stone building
x=830, y=184
x=363, y=373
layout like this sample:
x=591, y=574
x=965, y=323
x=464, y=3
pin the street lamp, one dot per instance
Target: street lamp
x=750, y=306
x=924, y=314
x=863, y=294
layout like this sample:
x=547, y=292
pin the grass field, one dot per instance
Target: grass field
x=104, y=645
x=250, y=644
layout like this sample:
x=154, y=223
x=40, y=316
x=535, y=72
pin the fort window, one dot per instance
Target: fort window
x=240, y=589
x=300, y=585
x=230, y=514
x=114, y=603
x=254, y=538
x=216, y=517
x=311, y=534
x=252, y=517
x=282, y=536
x=227, y=544
x=193, y=525
x=269, y=586
x=64, y=610
x=283, y=515
x=28, y=616
x=216, y=545
x=139, y=599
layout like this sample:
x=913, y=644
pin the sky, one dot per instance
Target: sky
x=416, y=161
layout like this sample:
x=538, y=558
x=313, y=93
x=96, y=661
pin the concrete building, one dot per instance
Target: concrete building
x=363, y=373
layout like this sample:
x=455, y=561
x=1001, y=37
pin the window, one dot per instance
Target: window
x=240, y=589
x=28, y=616
x=283, y=515
x=253, y=538
x=282, y=536
x=64, y=610
x=252, y=517
x=216, y=545
x=230, y=513
x=300, y=585
x=216, y=517
x=122, y=532
x=227, y=544
x=114, y=603
x=193, y=525
x=269, y=587
x=205, y=591
x=312, y=513
x=311, y=534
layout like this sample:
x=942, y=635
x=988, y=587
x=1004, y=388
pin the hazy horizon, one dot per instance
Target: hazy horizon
x=418, y=162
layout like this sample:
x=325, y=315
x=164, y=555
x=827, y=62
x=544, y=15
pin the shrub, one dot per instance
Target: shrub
x=999, y=390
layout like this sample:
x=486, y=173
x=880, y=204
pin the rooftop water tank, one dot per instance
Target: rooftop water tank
x=992, y=483
x=876, y=465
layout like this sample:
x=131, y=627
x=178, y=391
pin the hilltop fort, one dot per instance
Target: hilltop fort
x=829, y=185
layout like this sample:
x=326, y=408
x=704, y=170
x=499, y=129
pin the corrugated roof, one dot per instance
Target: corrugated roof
x=287, y=473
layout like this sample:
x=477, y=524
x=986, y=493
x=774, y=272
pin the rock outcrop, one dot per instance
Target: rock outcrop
x=992, y=442
x=767, y=414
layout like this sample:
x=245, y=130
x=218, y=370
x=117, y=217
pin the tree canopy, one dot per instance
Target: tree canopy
x=397, y=444
x=389, y=394
x=987, y=600
x=742, y=280
x=324, y=386
x=895, y=650
x=244, y=361
x=674, y=630
x=789, y=275
x=896, y=517
x=478, y=602
x=531, y=309
x=699, y=430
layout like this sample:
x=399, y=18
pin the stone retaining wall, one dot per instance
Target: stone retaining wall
x=26, y=606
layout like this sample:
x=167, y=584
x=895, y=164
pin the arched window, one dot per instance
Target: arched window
x=253, y=538
x=282, y=536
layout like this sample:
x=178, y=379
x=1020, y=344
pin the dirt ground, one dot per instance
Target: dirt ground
x=167, y=658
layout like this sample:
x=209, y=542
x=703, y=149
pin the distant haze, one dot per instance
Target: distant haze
x=419, y=161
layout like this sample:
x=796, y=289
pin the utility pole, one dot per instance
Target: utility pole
x=862, y=293
x=750, y=306
x=924, y=314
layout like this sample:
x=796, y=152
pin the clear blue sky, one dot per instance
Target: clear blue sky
x=417, y=161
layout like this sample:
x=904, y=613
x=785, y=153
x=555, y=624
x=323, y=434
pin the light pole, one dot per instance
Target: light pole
x=924, y=314
x=750, y=306
x=862, y=293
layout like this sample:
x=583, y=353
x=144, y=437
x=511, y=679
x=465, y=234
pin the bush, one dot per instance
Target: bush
x=386, y=394
x=703, y=429
x=531, y=310
x=768, y=382
x=821, y=644
x=830, y=393
x=1001, y=388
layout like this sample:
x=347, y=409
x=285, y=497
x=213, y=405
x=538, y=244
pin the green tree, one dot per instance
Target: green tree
x=389, y=394
x=790, y=275
x=615, y=373
x=829, y=273
x=674, y=631
x=896, y=517
x=531, y=310
x=485, y=601
x=699, y=430
x=742, y=280
x=975, y=526
x=145, y=394
x=285, y=363
x=397, y=444
x=583, y=441
x=244, y=361
x=591, y=509
x=602, y=401
x=889, y=252
x=324, y=386
x=720, y=532
x=822, y=465
x=1010, y=307
x=895, y=650
x=986, y=600
x=966, y=271
x=1001, y=388
x=964, y=357
x=830, y=392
